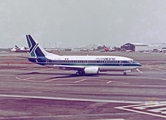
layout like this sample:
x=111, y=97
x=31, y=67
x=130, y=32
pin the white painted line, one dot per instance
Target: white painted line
x=80, y=80
x=36, y=117
x=129, y=106
x=18, y=78
x=122, y=108
x=149, y=106
x=25, y=79
x=69, y=99
x=51, y=80
x=109, y=82
x=111, y=119
x=158, y=110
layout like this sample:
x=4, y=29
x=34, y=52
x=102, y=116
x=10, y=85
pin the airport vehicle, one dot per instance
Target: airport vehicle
x=82, y=64
x=163, y=50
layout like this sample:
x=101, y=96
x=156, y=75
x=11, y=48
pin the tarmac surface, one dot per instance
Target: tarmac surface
x=32, y=92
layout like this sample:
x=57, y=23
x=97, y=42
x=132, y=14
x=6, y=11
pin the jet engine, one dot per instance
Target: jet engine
x=91, y=70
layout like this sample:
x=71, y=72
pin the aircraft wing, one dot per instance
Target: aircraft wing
x=69, y=67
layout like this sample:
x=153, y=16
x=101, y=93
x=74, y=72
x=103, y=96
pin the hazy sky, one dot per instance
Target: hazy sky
x=76, y=23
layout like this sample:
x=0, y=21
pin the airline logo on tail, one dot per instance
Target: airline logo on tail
x=35, y=51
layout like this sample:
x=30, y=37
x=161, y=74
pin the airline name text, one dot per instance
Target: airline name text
x=105, y=58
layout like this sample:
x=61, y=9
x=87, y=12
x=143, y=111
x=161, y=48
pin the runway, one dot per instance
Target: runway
x=29, y=91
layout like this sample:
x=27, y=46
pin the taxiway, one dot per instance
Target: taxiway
x=29, y=91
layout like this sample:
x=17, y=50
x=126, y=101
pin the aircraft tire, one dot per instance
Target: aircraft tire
x=124, y=73
x=80, y=73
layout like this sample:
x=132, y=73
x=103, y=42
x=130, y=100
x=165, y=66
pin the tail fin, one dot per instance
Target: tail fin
x=35, y=49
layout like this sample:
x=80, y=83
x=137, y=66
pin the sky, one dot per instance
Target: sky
x=78, y=23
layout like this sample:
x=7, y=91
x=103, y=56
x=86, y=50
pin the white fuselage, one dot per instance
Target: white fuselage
x=104, y=63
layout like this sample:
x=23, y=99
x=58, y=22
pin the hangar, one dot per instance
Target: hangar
x=135, y=47
x=128, y=46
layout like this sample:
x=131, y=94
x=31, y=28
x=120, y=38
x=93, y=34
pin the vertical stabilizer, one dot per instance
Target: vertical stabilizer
x=35, y=49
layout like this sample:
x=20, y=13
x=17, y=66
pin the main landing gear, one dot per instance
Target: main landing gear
x=80, y=72
x=124, y=73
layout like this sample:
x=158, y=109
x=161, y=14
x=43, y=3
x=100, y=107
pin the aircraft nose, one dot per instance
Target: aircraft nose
x=139, y=64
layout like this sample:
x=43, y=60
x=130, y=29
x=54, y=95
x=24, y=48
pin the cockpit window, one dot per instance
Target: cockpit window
x=131, y=61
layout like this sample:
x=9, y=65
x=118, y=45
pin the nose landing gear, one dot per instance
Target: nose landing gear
x=125, y=72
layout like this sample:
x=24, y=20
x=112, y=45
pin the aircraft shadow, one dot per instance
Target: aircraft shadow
x=68, y=75
x=72, y=76
x=117, y=74
x=63, y=75
x=40, y=73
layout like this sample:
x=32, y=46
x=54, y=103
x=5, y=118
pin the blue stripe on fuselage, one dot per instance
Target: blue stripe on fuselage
x=38, y=60
x=45, y=61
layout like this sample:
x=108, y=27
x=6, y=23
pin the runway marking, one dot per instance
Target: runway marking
x=69, y=99
x=36, y=117
x=51, y=80
x=109, y=82
x=111, y=119
x=80, y=80
x=117, y=82
x=53, y=116
x=25, y=79
x=158, y=109
x=28, y=79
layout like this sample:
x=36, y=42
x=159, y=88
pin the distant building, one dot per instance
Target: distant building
x=157, y=46
x=135, y=47
x=68, y=49
x=139, y=47
x=128, y=47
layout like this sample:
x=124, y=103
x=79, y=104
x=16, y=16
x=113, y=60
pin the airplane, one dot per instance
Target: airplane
x=82, y=64
x=19, y=49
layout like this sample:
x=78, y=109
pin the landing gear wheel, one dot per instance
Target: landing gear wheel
x=77, y=73
x=124, y=73
x=98, y=71
x=80, y=73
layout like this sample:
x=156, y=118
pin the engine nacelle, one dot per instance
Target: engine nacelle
x=91, y=70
